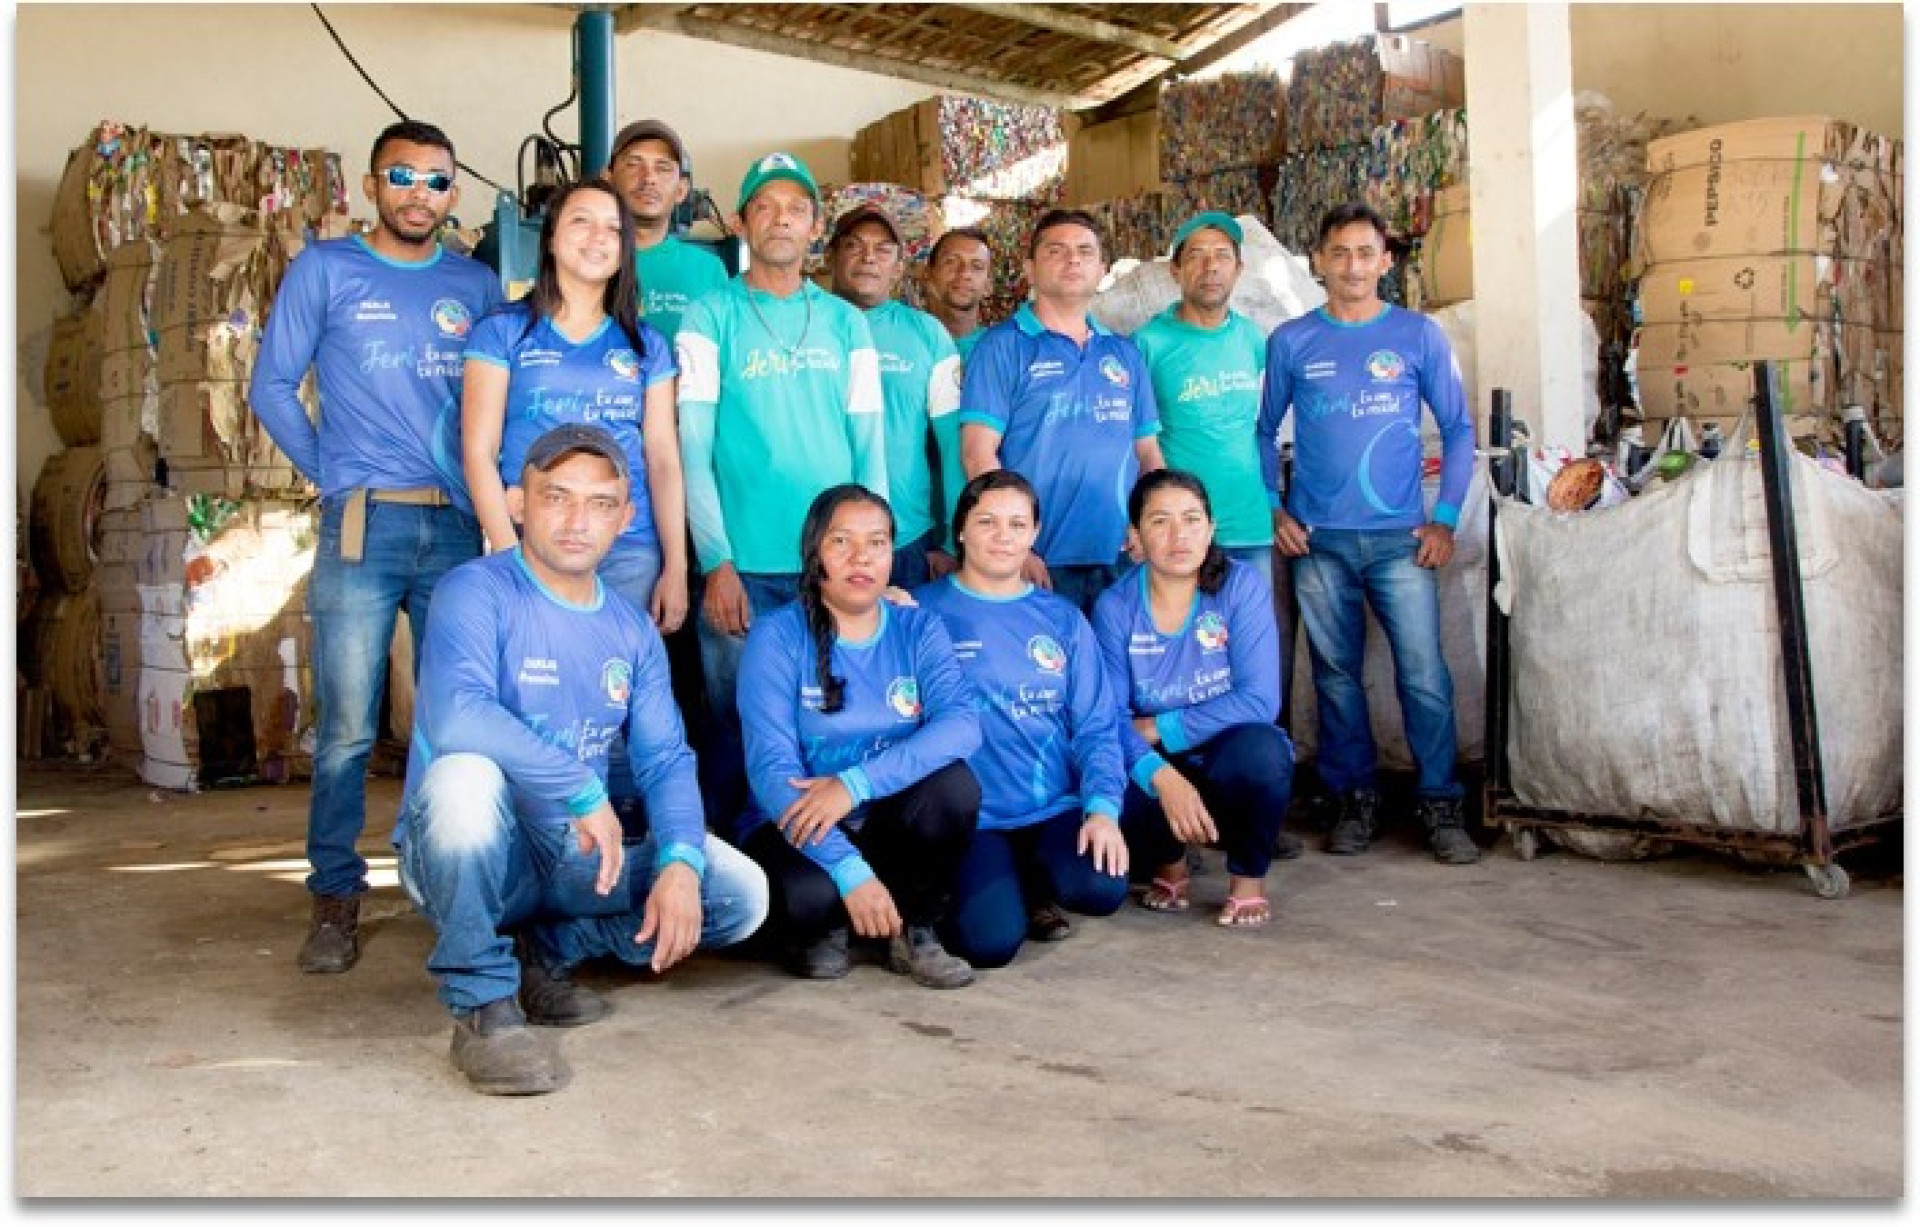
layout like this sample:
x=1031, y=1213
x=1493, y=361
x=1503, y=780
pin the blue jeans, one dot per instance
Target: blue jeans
x=632, y=573
x=723, y=759
x=475, y=867
x=1244, y=776
x=1082, y=583
x=1005, y=875
x=1259, y=557
x=353, y=606
x=1342, y=569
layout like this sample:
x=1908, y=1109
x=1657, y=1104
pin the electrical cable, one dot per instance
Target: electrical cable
x=375, y=86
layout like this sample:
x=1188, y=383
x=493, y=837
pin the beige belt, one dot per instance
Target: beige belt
x=353, y=516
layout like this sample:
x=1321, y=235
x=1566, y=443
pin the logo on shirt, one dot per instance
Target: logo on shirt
x=1385, y=364
x=1115, y=371
x=452, y=318
x=616, y=678
x=1044, y=652
x=624, y=363
x=1211, y=631
x=903, y=696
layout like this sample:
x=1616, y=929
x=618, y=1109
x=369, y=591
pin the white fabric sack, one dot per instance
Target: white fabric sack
x=1646, y=656
x=1457, y=321
x=1275, y=285
x=1463, y=642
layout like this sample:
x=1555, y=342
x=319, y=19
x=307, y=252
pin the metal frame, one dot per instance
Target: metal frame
x=1815, y=844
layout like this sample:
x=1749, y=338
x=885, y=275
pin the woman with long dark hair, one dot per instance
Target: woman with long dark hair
x=576, y=350
x=1188, y=641
x=1051, y=782
x=857, y=722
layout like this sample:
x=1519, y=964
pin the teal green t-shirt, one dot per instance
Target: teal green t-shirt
x=779, y=399
x=965, y=344
x=920, y=378
x=1207, y=382
x=672, y=275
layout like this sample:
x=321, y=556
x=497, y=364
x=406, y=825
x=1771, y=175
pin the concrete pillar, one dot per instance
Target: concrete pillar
x=1525, y=189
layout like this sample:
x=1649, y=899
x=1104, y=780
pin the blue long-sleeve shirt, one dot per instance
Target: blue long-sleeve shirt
x=1219, y=669
x=1049, y=737
x=908, y=712
x=1355, y=391
x=384, y=339
x=514, y=673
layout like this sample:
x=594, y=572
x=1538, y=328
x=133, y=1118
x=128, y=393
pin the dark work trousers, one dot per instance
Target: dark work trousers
x=1006, y=874
x=1245, y=777
x=913, y=839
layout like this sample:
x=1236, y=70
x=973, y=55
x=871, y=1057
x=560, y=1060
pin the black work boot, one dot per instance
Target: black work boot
x=550, y=998
x=501, y=1055
x=1287, y=846
x=916, y=952
x=1358, y=821
x=1447, y=831
x=825, y=959
x=333, y=935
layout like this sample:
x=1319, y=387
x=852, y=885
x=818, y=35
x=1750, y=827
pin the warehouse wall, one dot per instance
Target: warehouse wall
x=486, y=73
x=1722, y=62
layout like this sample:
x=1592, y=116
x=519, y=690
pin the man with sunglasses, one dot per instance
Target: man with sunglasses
x=382, y=319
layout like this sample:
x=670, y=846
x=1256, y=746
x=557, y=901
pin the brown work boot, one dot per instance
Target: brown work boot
x=333, y=938
x=501, y=1055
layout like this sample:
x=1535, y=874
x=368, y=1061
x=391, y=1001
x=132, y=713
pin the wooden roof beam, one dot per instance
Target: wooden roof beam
x=671, y=21
x=1146, y=95
x=1062, y=22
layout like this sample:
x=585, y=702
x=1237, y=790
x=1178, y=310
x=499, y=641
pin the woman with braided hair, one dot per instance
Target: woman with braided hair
x=857, y=722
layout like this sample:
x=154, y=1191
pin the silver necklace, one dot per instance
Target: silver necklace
x=806, y=322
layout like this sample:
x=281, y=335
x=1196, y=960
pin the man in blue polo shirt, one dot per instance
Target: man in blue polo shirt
x=383, y=321
x=1355, y=373
x=527, y=676
x=1058, y=398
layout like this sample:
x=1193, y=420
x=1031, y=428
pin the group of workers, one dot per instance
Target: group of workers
x=985, y=617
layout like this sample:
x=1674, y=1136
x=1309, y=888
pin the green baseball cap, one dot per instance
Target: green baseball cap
x=776, y=166
x=1205, y=221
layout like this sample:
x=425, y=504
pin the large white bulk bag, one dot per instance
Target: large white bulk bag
x=1647, y=678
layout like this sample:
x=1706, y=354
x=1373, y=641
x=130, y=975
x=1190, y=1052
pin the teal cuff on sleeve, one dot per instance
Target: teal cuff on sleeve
x=1103, y=807
x=1173, y=732
x=1446, y=513
x=1143, y=772
x=1274, y=501
x=489, y=359
x=855, y=778
x=977, y=418
x=1146, y=430
x=590, y=798
x=849, y=875
x=688, y=855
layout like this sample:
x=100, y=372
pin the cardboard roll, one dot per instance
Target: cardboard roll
x=67, y=501
x=61, y=642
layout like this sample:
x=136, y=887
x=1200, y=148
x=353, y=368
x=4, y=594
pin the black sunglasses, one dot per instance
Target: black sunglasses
x=406, y=177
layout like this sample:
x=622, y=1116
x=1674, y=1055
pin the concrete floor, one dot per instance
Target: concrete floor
x=1677, y=1029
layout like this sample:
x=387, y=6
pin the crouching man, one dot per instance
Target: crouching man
x=529, y=669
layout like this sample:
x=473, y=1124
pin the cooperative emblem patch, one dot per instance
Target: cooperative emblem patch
x=1047, y=654
x=451, y=317
x=1115, y=371
x=903, y=696
x=1211, y=631
x=1385, y=364
x=623, y=363
x=616, y=678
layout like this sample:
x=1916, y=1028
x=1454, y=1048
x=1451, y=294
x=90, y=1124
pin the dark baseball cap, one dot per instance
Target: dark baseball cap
x=563, y=441
x=863, y=211
x=649, y=130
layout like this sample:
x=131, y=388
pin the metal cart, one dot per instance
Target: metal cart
x=1815, y=844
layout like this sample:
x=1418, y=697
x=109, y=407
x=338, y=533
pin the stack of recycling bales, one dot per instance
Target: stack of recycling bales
x=1777, y=239
x=1377, y=120
x=1221, y=140
x=173, y=247
x=995, y=165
